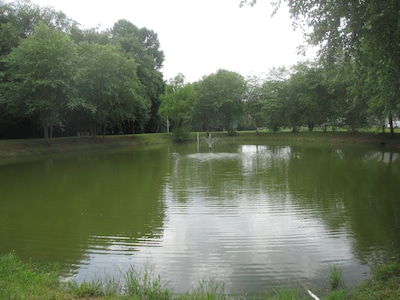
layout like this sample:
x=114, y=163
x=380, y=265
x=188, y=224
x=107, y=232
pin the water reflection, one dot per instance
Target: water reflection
x=350, y=193
x=385, y=157
x=248, y=223
x=55, y=209
x=252, y=216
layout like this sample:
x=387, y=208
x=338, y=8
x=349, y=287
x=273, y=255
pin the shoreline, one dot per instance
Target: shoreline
x=28, y=147
x=28, y=280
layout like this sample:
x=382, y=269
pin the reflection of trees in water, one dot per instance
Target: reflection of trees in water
x=385, y=157
x=349, y=192
x=340, y=187
x=231, y=175
x=52, y=213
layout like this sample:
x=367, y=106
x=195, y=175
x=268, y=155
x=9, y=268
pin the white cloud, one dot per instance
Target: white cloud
x=200, y=37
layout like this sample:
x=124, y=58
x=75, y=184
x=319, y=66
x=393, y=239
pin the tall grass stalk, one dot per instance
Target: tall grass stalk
x=144, y=285
x=335, y=277
x=207, y=288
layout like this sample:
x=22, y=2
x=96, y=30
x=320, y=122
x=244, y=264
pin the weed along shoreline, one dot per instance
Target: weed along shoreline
x=24, y=147
x=26, y=279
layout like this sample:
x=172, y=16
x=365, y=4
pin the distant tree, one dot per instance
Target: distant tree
x=177, y=105
x=41, y=75
x=143, y=45
x=274, y=98
x=253, y=104
x=18, y=20
x=355, y=108
x=363, y=34
x=139, y=47
x=91, y=35
x=307, y=86
x=220, y=100
x=110, y=91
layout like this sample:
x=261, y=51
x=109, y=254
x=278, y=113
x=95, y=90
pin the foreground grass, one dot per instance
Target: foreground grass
x=11, y=148
x=26, y=280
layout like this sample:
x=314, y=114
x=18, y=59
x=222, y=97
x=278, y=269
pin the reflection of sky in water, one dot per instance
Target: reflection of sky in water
x=385, y=157
x=251, y=241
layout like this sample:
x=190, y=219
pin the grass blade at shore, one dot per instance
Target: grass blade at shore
x=26, y=280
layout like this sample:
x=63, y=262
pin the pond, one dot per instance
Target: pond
x=251, y=216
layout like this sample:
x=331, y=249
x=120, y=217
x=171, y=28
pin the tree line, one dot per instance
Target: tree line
x=57, y=76
x=354, y=82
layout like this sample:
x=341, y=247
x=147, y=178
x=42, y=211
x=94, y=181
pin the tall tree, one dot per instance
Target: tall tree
x=17, y=21
x=274, y=98
x=253, y=104
x=177, y=105
x=41, y=75
x=363, y=33
x=308, y=90
x=142, y=44
x=110, y=92
x=220, y=99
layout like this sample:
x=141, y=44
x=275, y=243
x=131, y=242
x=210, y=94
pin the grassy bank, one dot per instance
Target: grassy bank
x=21, y=147
x=25, y=280
x=10, y=148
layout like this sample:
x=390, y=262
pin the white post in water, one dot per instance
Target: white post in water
x=198, y=142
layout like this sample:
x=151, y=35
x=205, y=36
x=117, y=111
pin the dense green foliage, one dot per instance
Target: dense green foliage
x=89, y=81
x=220, y=101
x=57, y=76
x=177, y=106
x=360, y=51
x=40, y=76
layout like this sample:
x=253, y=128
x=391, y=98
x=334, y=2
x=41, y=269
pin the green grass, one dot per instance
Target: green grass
x=335, y=277
x=21, y=147
x=26, y=280
x=144, y=285
x=206, y=289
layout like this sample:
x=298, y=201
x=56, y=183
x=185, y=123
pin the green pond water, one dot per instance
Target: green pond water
x=251, y=216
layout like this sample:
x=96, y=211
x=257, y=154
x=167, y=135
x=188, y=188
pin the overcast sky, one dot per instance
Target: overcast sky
x=199, y=37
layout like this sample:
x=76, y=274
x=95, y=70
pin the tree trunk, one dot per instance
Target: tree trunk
x=324, y=127
x=93, y=129
x=46, y=131
x=333, y=124
x=390, y=117
x=51, y=130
